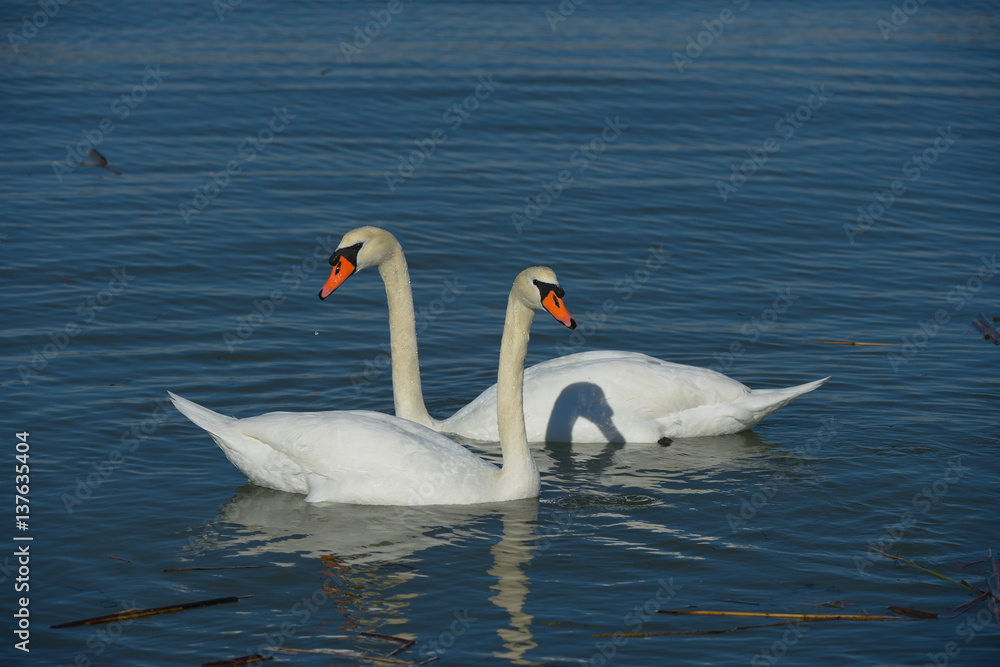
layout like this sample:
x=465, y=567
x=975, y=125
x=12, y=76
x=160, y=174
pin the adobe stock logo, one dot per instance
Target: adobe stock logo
x=706, y=38
x=912, y=169
x=246, y=152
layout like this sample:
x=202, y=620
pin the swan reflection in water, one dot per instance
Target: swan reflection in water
x=654, y=467
x=366, y=550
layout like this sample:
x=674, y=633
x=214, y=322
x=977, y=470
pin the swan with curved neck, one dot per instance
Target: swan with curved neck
x=366, y=457
x=602, y=396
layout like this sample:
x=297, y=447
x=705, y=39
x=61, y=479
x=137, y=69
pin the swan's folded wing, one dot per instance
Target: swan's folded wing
x=601, y=396
x=372, y=458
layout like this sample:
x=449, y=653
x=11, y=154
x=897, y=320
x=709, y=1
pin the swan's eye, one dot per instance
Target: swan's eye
x=350, y=254
x=544, y=289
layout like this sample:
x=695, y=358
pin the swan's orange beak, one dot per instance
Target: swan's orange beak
x=342, y=270
x=557, y=309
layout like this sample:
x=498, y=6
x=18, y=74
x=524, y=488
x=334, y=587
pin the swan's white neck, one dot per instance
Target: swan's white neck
x=406, y=391
x=519, y=470
x=519, y=475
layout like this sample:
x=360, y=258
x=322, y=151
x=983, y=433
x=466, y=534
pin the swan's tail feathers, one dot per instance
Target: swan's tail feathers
x=255, y=458
x=212, y=422
x=726, y=418
x=763, y=402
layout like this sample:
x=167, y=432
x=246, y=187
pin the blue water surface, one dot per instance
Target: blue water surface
x=803, y=174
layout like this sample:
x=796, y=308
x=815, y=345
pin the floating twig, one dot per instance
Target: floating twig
x=802, y=618
x=965, y=606
x=912, y=613
x=391, y=638
x=910, y=562
x=984, y=327
x=99, y=161
x=139, y=613
x=838, y=342
x=405, y=643
x=792, y=617
x=837, y=603
x=124, y=560
x=633, y=635
x=245, y=660
x=755, y=604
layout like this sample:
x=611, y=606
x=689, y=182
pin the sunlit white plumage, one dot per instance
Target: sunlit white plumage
x=615, y=396
x=370, y=458
x=603, y=396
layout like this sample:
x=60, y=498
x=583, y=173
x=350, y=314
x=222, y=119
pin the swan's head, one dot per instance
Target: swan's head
x=359, y=249
x=538, y=289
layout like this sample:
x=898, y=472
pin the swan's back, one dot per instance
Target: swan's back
x=656, y=384
x=349, y=456
x=370, y=458
x=615, y=396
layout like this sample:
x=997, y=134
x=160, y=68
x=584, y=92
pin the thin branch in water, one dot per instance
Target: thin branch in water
x=404, y=643
x=793, y=617
x=965, y=606
x=99, y=161
x=910, y=562
x=912, y=613
x=391, y=638
x=839, y=342
x=631, y=635
x=139, y=613
x=755, y=604
x=984, y=327
x=802, y=618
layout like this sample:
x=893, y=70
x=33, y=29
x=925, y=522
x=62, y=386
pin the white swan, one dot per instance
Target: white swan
x=604, y=396
x=370, y=458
